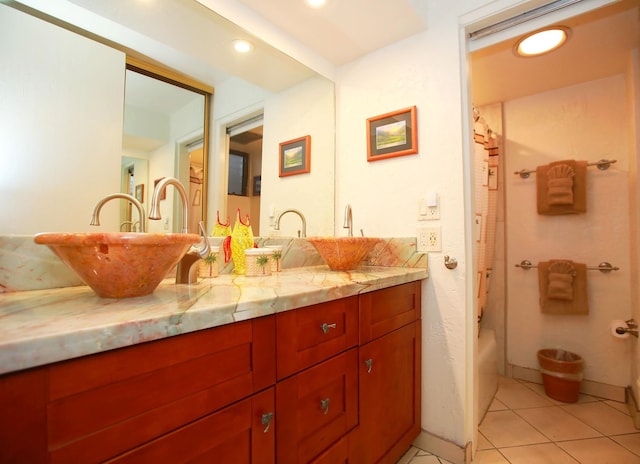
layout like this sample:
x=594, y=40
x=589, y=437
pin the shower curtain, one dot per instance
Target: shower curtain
x=486, y=161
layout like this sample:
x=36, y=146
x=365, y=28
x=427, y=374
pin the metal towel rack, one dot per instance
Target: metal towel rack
x=602, y=164
x=604, y=266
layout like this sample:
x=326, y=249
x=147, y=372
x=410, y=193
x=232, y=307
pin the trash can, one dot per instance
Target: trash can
x=561, y=374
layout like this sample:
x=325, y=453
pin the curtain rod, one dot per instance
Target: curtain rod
x=521, y=18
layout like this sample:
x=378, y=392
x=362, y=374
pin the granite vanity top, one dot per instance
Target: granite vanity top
x=43, y=326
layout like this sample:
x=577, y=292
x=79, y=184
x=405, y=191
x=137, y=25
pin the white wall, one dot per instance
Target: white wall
x=423, y=70
x=584, y=122
x=62, y=98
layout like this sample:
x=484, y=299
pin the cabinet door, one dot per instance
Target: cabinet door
x=316, y=407
x=238, y=434
x=388, y=309
x=389, y=373
x=310, y=335
x=23, y=421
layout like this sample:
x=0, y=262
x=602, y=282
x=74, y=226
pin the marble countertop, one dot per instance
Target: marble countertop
x=43, y=326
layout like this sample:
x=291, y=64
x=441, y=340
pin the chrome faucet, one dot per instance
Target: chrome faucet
x=95, y=216
x=302, y=233
x=348, y=220
x=186, y=272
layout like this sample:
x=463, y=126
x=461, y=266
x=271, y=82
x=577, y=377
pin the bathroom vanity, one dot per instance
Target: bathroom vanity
x=304, y=366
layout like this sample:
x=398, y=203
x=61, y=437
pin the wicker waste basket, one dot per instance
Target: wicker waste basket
x=561, y=374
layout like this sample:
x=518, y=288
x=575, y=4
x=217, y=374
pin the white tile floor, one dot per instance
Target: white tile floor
x=524, y=426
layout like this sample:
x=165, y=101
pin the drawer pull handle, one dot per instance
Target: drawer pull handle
x=324, y=404
x=325, y=327
x=266, y=421
x=369, y=364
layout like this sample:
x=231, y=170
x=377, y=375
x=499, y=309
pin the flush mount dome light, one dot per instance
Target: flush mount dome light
x=542, y=41
x=242, y=46
x=316, y=3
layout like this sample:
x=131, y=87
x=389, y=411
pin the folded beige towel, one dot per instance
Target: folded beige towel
x=561, y=187
x=560, y=286
x=560, y=184
x=563, y=287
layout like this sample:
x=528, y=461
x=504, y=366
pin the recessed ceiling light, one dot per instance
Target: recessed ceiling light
x=542, y=41
x=242, y=46
x=316, y=3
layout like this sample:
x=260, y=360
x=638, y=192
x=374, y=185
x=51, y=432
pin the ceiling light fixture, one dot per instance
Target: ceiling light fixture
x=542, y=41
x=242, y=46
x=316, y=3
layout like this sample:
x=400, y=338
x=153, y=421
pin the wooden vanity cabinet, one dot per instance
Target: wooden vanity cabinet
x=389, y=374
x=336, y=382
x=160, y=393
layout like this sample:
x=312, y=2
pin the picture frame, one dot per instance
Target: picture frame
x=139, y=192
x=392, y=134
x=257, y=185
x=295, y=156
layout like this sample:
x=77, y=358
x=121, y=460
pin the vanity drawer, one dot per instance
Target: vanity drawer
x=235, y=434
x=388, y=309
x=307, y=336
x=316, y=408
x=102, y=405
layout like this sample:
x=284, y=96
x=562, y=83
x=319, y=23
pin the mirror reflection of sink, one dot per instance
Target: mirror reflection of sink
x=119, y=264
x=343, y=253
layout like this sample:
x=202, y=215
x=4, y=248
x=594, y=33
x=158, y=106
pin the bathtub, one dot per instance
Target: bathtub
x=487, y=370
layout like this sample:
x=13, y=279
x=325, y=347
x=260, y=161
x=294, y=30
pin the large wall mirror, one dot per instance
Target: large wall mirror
x=67, y=60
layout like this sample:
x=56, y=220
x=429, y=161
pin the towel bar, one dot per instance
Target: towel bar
x=602, y=164
x=602, y=267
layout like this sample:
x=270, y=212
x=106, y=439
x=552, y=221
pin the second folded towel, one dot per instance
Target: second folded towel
x=563, y=287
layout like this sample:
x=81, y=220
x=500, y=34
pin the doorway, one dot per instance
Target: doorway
x=561, y=98
x=244, y=171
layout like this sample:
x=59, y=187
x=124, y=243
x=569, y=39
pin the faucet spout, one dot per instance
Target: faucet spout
x=95, y=215
x=155, y=201
x=302, y=233
x=348, y=220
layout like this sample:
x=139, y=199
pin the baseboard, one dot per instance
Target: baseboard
x=442, y=448
x=630, y=400
x=587, y=387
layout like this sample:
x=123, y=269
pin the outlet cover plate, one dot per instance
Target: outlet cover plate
x=428, y=239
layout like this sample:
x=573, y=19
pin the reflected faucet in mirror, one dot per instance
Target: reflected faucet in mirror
x=95, y=215
x=186, y=272
x=303, y=232
x=348, y=220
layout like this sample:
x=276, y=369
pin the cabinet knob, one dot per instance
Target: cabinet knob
x=325, y=327
x=369, y=364
x=324, y=404
x=266, y=421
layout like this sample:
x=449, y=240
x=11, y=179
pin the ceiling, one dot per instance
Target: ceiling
x=343, y=30
x=598, y=46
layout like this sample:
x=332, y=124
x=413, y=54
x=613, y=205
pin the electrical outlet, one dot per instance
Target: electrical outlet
x=433, y=212
x=429, y=239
